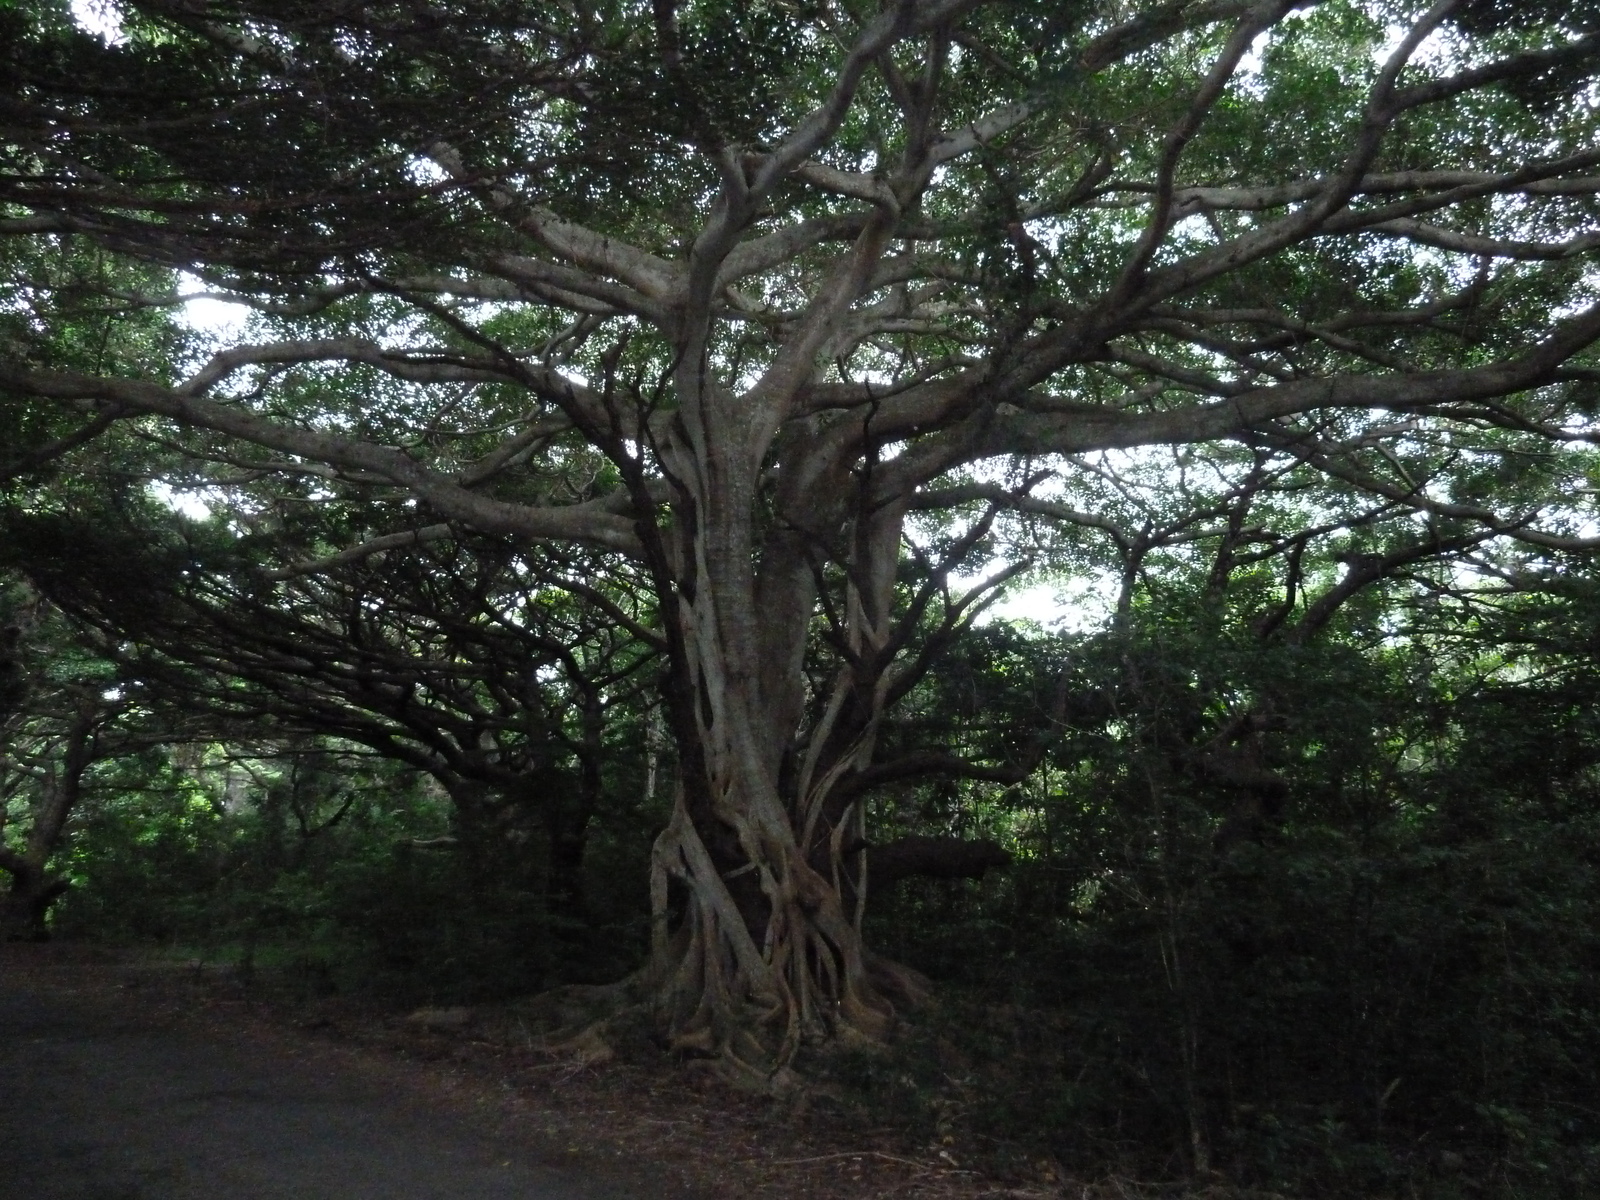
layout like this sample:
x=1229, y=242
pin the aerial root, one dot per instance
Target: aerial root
x=718, y=995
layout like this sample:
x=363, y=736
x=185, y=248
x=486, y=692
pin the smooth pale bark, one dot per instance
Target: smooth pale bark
x=767, y=951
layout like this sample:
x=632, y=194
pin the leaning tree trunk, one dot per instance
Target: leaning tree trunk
x=25, y=907
x=568, y=809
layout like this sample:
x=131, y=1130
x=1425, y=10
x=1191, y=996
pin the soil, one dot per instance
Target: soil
x=128, y=1077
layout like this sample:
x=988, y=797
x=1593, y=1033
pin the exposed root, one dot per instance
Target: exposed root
x=562, y=1012
x=712, y=996
x=718, y=995
x=579, y=1024
x=587, y=1048
x=911, y=988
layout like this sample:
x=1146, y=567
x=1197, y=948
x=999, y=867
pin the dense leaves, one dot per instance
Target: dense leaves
x=1387, y=984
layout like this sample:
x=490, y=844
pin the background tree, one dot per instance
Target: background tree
x=65, y=719
x=462, y=659
x=1377, y=984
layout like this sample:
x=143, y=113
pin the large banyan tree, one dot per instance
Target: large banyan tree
x=789, y=302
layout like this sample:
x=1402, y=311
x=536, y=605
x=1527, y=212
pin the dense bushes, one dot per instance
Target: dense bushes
x=348, y=877
x=1390, y=983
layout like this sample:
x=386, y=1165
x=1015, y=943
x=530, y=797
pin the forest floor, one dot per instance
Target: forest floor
x=463, y=1102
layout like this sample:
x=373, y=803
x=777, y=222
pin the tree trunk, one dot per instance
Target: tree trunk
x=564, y=890
x=766, y=953
x=568, y=811
x=26, y=905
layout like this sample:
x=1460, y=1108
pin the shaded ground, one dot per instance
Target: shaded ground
x=107, y=1098
x=128, y=1078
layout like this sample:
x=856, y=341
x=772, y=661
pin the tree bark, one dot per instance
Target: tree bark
x=936, y=857
x=26, y=906
x=767, y=953
x=24, y=909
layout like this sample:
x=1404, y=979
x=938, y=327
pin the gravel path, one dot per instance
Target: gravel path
x=99, y=1104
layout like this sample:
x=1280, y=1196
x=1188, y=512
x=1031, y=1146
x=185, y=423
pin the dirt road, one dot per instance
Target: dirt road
x=100, y=1103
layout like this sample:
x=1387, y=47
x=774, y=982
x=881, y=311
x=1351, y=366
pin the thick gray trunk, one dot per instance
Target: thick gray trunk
x=766, y=952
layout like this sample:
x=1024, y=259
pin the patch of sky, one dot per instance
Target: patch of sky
x=1459, y=270
x=1441, y=48
x=890, y=451
x=1077, y=603
x=103, y=18
x=1247, y=75
x=424, y=171
x=1188, y=235
x=481, y=311
x=1582, y=298
x=349, y=47
x=1070, y=600
x=209, y=313
x=188, y=503
x=1579, y=423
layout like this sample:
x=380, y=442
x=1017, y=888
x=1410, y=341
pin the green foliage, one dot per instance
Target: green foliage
x=1385, y=988
x=335, y=872
x=145, y=860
